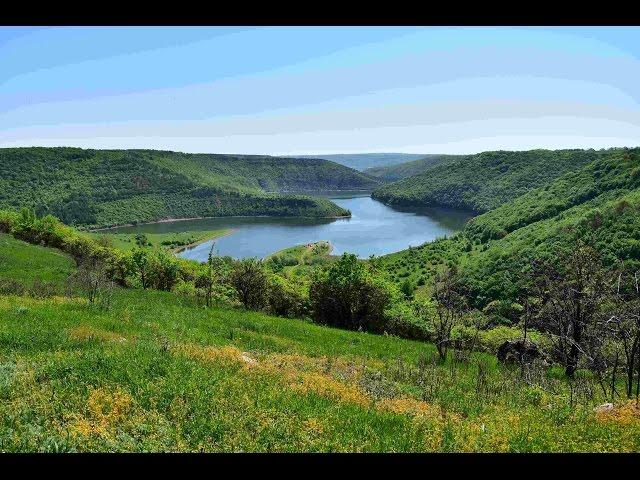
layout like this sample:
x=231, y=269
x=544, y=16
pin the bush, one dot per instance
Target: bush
x=403, y=322
x=249, y=280
x=346, y=295
x=162, y=270
x=286, y=300
x=7, y=220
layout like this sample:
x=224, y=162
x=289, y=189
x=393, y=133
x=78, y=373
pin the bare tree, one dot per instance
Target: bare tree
x=569, y=297
x=207, y=279
x=447, y=292
x=625, y=326
x=92, y=280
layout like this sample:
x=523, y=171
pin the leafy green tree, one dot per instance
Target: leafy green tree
x=249, y=279
x=163, y=270
x=286, y=299
x=140, y=261
x=346, y=295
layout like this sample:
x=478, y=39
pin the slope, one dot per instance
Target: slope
x=108, y=187
x=486, y=180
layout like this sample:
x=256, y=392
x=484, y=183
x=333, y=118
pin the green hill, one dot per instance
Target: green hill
x=598, y=204
x=156, y=373
x=364, y=161
x=393, y=173
x=484, y=181
x=107, y=187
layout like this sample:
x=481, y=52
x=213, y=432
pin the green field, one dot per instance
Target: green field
x=155, y=372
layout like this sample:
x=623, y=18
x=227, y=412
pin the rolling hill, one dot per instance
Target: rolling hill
x=155, y=373
x=486, y=180
x=100, y=188
x=393, y=173
x=364, y=161
x=598, y=204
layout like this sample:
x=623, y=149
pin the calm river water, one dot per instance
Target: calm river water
x=374, y=228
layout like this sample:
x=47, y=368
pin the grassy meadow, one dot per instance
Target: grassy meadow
x=156, y=372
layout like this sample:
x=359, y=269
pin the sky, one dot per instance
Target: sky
x=320, y=90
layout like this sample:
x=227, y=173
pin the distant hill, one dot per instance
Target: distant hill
x=485, y=180
x=393, y=173
x=109, y=187
x=363, y=161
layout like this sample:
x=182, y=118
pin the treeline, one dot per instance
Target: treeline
x=486, y=180
x=100, y=188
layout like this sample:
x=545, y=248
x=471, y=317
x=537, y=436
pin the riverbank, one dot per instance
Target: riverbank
x=183, y=219
x=176, y=242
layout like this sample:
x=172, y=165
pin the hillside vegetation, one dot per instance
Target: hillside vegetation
x=520, y=333
x=598, y=204
x=484, y=181
x=393, y=173
x=100, y=188
x=154, y=372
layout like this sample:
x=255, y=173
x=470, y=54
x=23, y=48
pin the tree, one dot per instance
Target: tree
x=448, y=294
x=92, y=279
x=346, y=295
x=569, y=296
x=287, y=299
x=140, y=261
x=207, y=278
x=250, y=281
x=162, y=270
x=625, y=326
x=141, y=240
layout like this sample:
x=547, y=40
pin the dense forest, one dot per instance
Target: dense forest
x=100, y=188
x=484, y=181
x=393, y=173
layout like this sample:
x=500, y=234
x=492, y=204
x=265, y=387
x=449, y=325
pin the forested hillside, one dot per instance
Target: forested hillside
x=363, y=161
x=393, y=173
x=485, y=181
x=598, y=205
x=108, y=187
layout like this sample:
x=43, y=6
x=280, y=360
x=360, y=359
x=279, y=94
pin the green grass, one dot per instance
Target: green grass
x=24, y=263
x=155, y=372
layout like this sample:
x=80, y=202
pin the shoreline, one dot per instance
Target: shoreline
x=182, y=219
x=308, y=246
x=182, y=248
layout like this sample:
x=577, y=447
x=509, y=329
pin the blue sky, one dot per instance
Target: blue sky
x=295, y=90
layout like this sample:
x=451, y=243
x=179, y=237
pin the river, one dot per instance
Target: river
x=373, y=229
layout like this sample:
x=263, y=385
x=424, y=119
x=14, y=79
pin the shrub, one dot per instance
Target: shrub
x=162, y=270
x=286, y=300
x=403, y=322
x=249, y=280
x=346, y=295
x=7, y=220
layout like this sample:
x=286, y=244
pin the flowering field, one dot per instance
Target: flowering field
x=157, y=373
